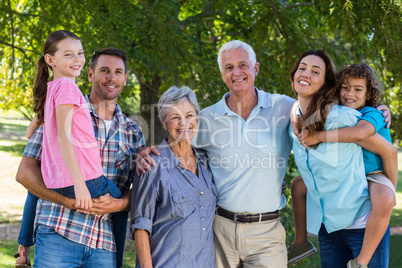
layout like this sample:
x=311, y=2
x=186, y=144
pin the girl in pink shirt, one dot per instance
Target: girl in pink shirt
x=70, y=163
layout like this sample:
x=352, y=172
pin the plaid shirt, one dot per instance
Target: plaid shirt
x=118, y=150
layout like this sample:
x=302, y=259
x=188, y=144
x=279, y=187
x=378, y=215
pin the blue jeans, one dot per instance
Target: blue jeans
x=337, y=248
x=53, y=250
x=98, y=187
x=25, y=238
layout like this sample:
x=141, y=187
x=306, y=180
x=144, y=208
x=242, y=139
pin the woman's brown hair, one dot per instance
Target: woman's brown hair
x=362, y=71
x=43, y=74
x=322, y=101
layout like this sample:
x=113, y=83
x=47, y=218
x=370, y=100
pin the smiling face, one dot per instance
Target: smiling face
x=309, y=77
x=108, y=78
x=353, y=94
x=181, y=122
x=68, y=60
x=238, y=72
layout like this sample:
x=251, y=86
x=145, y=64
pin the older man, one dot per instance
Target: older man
x=245, y=136
x=64, y=236
x=247, y=142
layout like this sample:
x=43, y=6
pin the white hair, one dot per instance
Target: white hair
x=174, y=96
x=236, y=44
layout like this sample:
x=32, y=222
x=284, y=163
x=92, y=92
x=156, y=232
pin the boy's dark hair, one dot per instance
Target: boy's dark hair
x=110, y=51
x=363, y=71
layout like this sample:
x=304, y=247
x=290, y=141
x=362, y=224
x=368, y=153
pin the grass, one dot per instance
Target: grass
x=14, y=149
x=8, y=249
x=396, y=218
x=395, y=256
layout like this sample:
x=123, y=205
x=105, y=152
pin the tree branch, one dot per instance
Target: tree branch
x=298, y=4
x=12, y=35
x=282, y=29
x=18, y=48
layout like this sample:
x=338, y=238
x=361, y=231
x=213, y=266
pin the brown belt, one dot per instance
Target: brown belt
x=246, y=218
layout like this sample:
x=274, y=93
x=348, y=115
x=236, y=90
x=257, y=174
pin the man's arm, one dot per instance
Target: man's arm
x=30, y=176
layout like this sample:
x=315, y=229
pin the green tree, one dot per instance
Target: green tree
x=176, y=43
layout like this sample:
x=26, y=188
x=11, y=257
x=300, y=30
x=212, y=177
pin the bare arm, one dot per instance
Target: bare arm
x=64, y=117
x=388, y=153
x=143, y=249
x=30, y=176
x=293, y=118
x=362, y=131
x=106, y=204
x=32, y=127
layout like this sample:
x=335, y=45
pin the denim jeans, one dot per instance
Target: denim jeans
x=98, y=187
x=337, y=248
x=53, y=250
x=25, y=237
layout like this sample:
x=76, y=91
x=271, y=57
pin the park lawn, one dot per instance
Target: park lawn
x=8, y=249
x=396, y=218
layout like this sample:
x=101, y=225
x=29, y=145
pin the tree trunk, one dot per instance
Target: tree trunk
x=151, y=127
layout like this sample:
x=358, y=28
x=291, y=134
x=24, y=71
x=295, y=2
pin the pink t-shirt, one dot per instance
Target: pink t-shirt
x=54, y=170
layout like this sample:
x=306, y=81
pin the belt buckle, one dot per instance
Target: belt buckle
x=235, y=219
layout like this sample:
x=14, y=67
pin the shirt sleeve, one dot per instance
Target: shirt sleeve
x=34, y=146
x=144, y=196
x=373, y=116
x=67, y=93
x=341, y=116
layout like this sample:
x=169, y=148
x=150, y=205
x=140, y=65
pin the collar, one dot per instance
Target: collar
x=223, y=109
x=165, y=151
x=298, y=111
x=118, y=114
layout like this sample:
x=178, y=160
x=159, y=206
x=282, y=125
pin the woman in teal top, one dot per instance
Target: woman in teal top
x=338, y=201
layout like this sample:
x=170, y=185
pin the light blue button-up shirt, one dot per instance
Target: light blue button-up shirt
x=248, y=158
x=337, y=191
x=177, y=209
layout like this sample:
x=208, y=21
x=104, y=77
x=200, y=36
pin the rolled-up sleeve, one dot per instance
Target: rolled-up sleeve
x=34, y=146
x=144, y=198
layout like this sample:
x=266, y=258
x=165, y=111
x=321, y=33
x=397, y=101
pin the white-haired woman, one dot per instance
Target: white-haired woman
x=173, y=205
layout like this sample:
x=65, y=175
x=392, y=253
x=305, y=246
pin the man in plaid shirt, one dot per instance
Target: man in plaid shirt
x=66, y=237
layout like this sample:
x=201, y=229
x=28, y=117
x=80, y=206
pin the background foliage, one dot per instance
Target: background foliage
x=175, y=42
